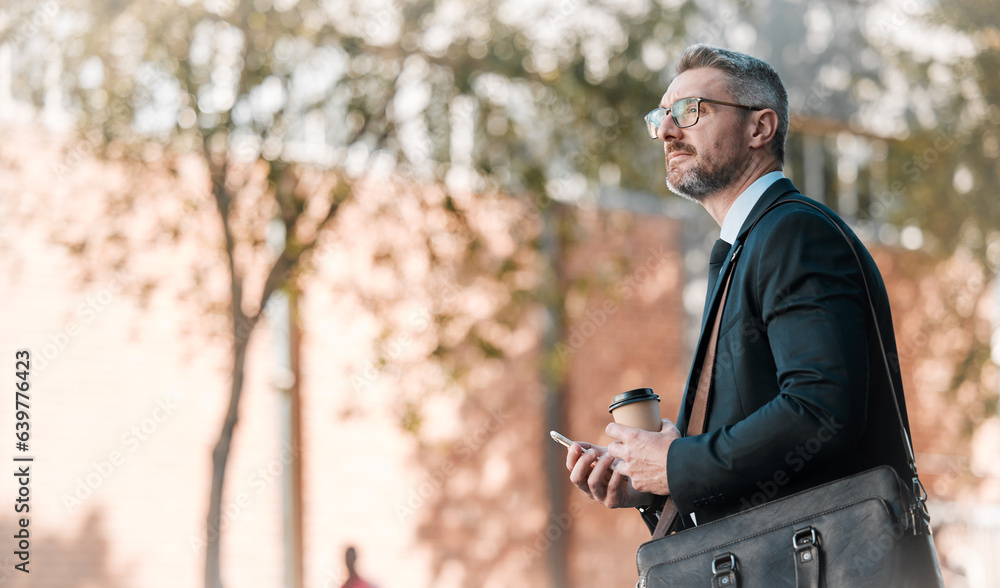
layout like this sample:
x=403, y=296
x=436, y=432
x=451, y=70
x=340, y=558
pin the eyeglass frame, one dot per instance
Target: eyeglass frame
x=654, y=132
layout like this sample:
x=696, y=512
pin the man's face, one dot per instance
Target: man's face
x=707, y=157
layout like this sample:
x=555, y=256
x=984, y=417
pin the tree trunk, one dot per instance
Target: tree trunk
x=220, y=457
x=554, y=289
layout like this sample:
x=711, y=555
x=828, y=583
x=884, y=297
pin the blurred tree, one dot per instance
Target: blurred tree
x=941, y=80
x=948, y=96
x=531, y=99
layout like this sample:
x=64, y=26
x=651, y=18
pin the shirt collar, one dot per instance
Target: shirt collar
x=744, y=203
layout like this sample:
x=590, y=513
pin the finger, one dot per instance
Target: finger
x=579, y=448
x=619, y=485
x=607, y=462
x=618, y=450
x=620, y=466
x=621, y=432
x=618, y=478
x=581, y=470
x=573, y=455
x=597, y=482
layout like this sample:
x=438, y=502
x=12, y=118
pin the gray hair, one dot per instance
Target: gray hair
x=751, y=81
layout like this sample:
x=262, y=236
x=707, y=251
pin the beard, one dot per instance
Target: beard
x=705, y=177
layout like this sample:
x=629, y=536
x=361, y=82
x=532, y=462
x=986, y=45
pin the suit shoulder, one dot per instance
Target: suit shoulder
x=793, y=219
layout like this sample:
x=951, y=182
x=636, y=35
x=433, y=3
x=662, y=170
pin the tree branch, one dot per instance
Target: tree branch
x=287, y=261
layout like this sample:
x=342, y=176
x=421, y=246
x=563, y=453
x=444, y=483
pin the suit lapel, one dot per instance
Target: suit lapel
x=774, y=191
x=771, y=195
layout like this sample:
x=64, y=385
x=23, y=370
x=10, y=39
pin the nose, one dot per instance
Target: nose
x=668, y=129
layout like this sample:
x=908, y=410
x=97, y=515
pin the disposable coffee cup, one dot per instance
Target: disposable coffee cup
x=638, y=408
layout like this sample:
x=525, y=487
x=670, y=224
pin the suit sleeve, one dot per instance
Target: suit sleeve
x=803, y=285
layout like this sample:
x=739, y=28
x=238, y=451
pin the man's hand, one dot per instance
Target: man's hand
x=643, y=455
x=590, y=470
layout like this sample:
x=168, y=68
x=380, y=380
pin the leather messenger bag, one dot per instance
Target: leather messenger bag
x=865, y=530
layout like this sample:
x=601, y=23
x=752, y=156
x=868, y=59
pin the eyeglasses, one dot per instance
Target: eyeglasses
x=685, y=113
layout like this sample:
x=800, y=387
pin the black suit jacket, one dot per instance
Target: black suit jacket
x=800, y=392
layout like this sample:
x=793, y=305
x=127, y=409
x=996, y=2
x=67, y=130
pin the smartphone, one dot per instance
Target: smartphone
x=566, y=442
x=560, y=439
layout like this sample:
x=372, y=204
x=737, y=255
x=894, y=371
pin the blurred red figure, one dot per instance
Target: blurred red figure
x=353, y=579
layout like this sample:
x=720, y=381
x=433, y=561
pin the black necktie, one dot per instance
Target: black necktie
x=715, y=261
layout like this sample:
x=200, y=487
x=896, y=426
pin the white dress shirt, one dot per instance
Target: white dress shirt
x=744, y=203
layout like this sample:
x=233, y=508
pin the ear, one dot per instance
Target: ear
x=764, y=124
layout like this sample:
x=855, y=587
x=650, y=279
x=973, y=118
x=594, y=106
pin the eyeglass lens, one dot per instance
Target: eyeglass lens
x=684, y=112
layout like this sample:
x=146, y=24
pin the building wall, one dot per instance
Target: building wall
x=627, y=333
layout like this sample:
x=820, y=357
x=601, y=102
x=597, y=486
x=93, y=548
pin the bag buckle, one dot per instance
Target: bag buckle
x=804, y=538
x=724, y=563
x=920, y=518
x=724, y=571
x=919, y=493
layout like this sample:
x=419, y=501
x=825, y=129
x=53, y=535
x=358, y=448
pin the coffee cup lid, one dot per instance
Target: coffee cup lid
x=637, y=395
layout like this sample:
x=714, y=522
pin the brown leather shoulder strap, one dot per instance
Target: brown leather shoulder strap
x=699, y=410
x=696, y=424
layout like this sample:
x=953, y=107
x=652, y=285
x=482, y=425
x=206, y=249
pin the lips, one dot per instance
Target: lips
x=677, y=152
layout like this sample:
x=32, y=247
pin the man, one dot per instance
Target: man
x=354, y=580
x=800, y=391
